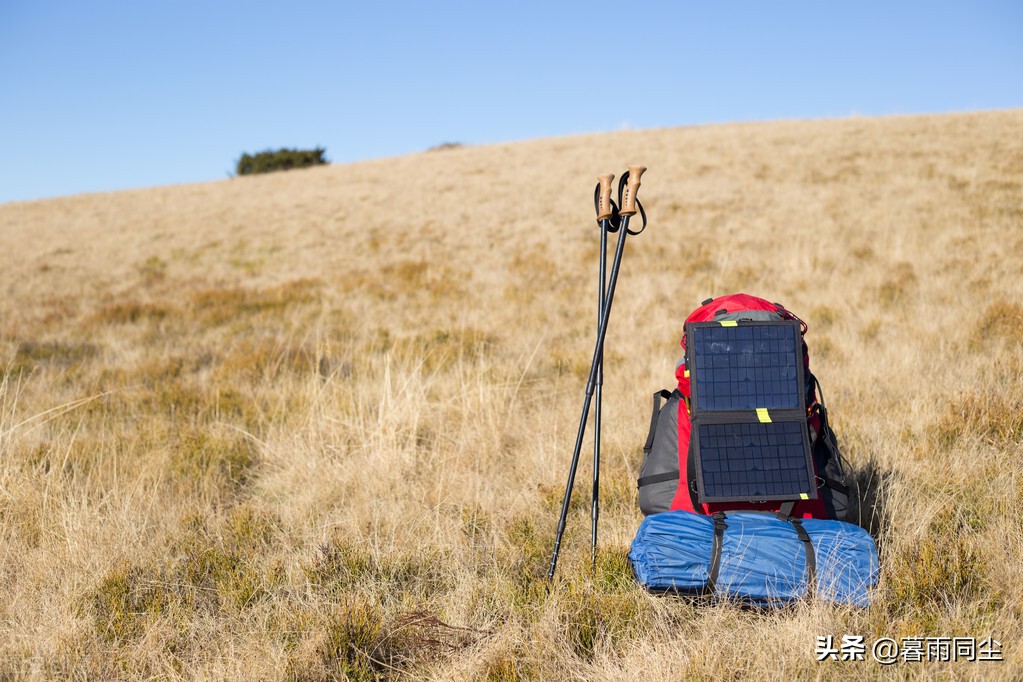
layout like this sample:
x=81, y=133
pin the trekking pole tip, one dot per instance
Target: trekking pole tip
x=604, y=209
x=631, y=190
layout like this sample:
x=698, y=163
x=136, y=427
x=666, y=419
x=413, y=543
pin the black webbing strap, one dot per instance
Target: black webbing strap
x=835, y=485
x=785, y=514
x=658, y=396
x=657, y=478
x=694, y=495
x=715, y=552
x=827, y=437
x=811, y=556
x=643, y=481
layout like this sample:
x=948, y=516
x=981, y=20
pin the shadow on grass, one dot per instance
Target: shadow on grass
x=870, y=487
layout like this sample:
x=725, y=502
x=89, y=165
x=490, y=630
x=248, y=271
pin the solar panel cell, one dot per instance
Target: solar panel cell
x=751, y=461
x=746, y=367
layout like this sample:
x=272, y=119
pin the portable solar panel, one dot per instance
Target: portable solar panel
x=750, y=438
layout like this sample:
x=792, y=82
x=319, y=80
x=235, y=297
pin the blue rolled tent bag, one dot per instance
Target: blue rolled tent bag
x=755, y=557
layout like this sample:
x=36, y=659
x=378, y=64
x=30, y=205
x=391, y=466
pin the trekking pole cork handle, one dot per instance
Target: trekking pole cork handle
x=631, y=189
x=604, y=209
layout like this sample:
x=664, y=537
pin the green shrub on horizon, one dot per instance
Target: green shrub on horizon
x=283, y=159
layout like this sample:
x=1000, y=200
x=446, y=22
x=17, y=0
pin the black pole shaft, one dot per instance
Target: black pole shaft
x=598, y=352
x=595, y=494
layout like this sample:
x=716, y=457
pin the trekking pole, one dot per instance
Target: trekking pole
x=606, y=208
x=630, y=184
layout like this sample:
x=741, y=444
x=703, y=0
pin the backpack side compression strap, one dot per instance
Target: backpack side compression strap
x=827, y=437
x=644, y=481
x=663, y=394
x=657, y=478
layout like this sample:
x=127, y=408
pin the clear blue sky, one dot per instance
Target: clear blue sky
x=96, y=96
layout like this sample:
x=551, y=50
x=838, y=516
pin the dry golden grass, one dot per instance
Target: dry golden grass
x=315, y=425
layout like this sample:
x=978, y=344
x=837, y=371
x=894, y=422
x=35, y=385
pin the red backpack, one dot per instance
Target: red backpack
x=667, y=475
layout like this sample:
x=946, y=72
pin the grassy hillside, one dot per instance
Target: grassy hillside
x=316, y=424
